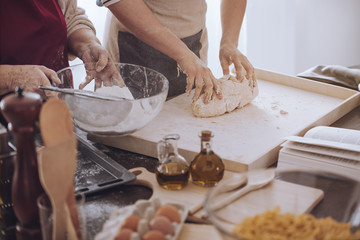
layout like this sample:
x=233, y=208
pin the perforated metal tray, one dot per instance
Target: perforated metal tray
x=96, y=171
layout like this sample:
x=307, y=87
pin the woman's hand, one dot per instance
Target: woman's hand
x=97, y=60
x=231, y=55
x=197, y=72
x=232, y=14
x=100, y=67
x=29, y=77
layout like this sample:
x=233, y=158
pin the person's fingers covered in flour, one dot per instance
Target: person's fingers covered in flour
x=97, y=60
x=229, y=54
x=200, y=75
x=107, y=76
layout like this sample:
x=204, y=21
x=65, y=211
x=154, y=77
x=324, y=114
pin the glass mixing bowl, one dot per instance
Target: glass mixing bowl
x=322, y=194
x=149, y=89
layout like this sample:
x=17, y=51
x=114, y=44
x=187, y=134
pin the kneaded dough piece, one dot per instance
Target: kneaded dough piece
x=235, y=95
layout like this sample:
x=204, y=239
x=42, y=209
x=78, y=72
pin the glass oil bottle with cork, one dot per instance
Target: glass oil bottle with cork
x=207, y=168
x=172, y=171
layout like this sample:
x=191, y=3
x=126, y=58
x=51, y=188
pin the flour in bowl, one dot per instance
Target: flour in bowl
x=141, y=112
x=115, y=91
x=101, y=113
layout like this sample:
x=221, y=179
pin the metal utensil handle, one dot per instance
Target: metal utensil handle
x=80, y=93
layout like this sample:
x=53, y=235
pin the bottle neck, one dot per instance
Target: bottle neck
x=206, y=146
x=172, y=147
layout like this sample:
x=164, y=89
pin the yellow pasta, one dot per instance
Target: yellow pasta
x=272, y=225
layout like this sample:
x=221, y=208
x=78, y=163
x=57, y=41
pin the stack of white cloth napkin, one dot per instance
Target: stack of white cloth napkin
x=335, y=74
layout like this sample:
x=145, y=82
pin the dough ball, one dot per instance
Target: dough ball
x=235, y=95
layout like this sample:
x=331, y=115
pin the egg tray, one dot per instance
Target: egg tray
x=141, y=208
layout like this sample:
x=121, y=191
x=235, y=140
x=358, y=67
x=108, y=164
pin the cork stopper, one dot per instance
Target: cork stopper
x=206, y=135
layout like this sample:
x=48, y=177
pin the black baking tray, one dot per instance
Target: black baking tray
x=96, y=171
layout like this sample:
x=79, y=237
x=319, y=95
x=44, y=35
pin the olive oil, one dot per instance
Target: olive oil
x=207, y=168
x=172, y=176
x=172, y=171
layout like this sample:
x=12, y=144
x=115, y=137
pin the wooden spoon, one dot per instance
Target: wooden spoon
x=256, y=180
x=55, y=122
x=56, y=175
x=56, y=128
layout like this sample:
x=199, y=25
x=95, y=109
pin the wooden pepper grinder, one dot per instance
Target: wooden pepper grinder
x=7, y=163
x=21, y=110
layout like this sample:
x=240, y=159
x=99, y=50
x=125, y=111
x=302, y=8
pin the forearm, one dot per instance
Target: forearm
x=137, y=17
x=232, y=14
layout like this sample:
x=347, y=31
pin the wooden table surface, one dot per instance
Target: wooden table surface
x=100, y=205
x=339, y=192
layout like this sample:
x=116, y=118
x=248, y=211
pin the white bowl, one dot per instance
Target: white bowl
x=116, y=117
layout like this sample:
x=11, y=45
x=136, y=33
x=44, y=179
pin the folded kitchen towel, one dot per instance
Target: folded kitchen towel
x=335, y=74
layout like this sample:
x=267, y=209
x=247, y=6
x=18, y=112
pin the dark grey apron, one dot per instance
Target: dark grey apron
x=134, y=51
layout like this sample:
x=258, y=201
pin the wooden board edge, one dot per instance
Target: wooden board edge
x=320, y=197
x=199, y=231
x=305, y=84
x=128, y=142
x=335, y=114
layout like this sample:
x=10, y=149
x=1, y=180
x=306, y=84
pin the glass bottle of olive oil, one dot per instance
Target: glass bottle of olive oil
x=207, y=168
x=172, y=171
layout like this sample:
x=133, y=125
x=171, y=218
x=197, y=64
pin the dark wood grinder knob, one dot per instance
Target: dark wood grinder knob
x=21, y=110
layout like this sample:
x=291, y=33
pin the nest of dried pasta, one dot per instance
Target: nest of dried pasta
x=272, y=225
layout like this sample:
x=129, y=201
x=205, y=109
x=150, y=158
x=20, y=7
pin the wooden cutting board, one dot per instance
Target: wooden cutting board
x=250, y=137
x=289, y=197
x=199, y=232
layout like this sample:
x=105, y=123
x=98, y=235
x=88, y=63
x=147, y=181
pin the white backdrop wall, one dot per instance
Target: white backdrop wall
x=290, y=36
